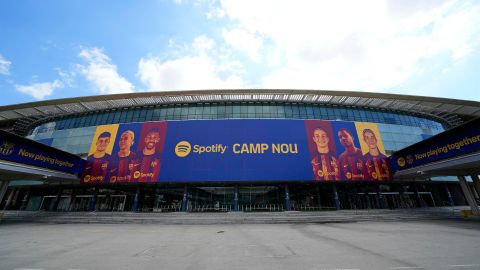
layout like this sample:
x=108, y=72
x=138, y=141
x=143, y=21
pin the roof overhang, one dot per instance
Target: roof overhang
x=448, y=110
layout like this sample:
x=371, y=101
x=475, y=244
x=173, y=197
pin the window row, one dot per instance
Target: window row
x=237, y=110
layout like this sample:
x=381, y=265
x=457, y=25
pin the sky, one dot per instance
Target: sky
x=57, y=49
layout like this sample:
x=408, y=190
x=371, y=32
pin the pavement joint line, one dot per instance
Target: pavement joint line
x=464, y=265
x=339, y=269
x=407, y=267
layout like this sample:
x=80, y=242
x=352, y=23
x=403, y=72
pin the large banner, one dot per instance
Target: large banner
x=458, y=141
x=236, y=150
x=25, y=151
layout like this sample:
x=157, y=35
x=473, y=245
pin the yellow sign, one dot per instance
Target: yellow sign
x=6, y=148
x=183, y=148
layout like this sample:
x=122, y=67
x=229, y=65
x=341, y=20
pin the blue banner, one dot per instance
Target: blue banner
x=236, y=150
x=451, y=143
x=21, y=150
x=243, y=150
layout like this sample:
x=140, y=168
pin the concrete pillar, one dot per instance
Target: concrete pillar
x=3, y=189
x=136, y=199
x=15, y=198
x=25, y=199
x=57, y=199
x=72, y=199
x=476, y=184
x=9, y=199
x=288, y=206
x=236, y=206
x=319, y=198
x=336, y=201
x=93, y=202
x=449, y=195
x=468, y=195
x=381, y=202
x=417, y=195
x=185, y=199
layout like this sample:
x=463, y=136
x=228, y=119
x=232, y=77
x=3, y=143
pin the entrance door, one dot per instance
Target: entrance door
x=261, y=198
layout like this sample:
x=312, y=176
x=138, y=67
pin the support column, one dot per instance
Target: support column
x=336, y=201
x=136, y=199
x=185, y=199
x=73, y=196
x=236, y=206
x=3, y=189
x=476, y=183
x=288, y=206
x=15, y=197
x=381, y=203
x=417, y=195
x=469, y=196
x=9, y=200
x=319, y=198
x=449, y=195
x=57, y=199
x=93, y=202
x=26, y=197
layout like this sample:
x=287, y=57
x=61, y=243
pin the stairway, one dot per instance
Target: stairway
x=232, y=217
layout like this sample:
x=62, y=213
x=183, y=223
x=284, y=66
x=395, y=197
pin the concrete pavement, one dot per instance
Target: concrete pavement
x=447, y=244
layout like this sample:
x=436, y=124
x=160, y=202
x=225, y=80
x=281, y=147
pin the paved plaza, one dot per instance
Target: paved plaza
x=362, y=245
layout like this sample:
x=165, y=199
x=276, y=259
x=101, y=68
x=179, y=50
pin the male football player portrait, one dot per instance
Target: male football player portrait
x=147, y=166
x=324, y=163
x=96, y=166
x=351, y=160
x=121, y=163
x=376, y=163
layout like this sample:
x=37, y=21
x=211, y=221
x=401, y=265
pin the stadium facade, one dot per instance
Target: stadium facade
x=234, y=150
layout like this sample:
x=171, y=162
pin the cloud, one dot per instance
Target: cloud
x=244, y=41
x=102, y=73
x=354, y=45
x=4, y=66
x=40, y=90
x=202, y=68
x=67, y=77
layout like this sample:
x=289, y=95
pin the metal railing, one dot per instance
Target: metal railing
x=261, y=207
x=167, y=208
x=210, y=208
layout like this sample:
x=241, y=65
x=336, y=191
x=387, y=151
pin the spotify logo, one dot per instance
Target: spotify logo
x=401, y=161
x=183, y=148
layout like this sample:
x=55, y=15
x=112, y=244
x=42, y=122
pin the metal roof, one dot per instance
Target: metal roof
x=449, y=110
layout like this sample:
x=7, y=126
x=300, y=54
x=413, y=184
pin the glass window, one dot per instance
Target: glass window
x=213, y=111
x=199, y=110
x=129, y=116
x=288, y=111
x=110, y=117
x=170, y=111
x=116, y=116
x=135, y=115
x=221, y=111
x=258, y=109
x=149, y=114
x=123, y=116
x=177, y=112
x=394, y=122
